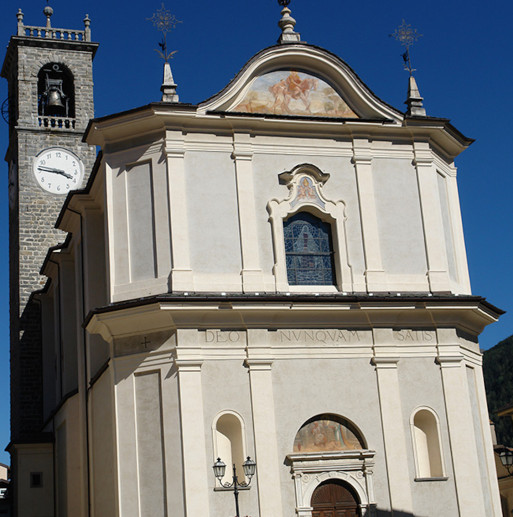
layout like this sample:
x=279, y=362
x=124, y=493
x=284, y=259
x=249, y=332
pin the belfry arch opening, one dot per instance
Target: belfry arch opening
x=56, y=91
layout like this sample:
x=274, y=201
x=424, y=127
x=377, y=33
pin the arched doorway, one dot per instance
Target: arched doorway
x=334, y=499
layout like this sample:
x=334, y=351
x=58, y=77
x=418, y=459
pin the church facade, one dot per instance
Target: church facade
x=278, y=273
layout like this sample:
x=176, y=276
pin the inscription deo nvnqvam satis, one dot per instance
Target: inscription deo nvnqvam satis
x=414, y=335
x=319, y=336
x=222, y=336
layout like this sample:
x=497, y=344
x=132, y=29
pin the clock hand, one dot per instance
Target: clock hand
x=55, y=171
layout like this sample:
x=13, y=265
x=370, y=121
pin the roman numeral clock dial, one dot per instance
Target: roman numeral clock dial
x=58, y=170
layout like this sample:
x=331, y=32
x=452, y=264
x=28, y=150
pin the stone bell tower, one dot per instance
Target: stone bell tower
x=50, y=88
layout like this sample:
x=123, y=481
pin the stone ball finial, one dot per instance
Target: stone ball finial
x=48, y=11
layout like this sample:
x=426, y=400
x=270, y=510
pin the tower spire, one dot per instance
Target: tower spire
x=287, y=24
x=414, y=100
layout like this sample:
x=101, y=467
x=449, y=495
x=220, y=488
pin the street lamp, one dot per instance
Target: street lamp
x=249, y=467
x=506, y=456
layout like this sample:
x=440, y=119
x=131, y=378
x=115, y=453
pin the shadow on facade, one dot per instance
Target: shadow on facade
x=26, y=374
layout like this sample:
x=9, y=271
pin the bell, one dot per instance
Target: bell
x=54, y=99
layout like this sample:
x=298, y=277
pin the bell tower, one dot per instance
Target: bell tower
x=50, y=89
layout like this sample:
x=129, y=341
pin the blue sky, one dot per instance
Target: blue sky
x=464, y=72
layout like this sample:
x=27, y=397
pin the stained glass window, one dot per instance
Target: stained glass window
x=308, y=250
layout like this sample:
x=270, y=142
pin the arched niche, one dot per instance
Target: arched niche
x=56, y=91
x=229, y=442
x=327, y=448
x=427, y=446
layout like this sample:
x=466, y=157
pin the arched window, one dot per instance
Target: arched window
x=229, y=443
x=56, y=91
x=426, y=443
x=308, y=250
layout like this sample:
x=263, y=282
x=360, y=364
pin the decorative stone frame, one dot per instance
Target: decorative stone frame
x=313, y=201
x=418, y=476
x=354, y=467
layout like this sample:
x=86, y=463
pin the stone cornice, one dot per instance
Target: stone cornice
x=468, y=313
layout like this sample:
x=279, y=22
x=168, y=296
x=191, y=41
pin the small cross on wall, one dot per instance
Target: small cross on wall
x=146, y=342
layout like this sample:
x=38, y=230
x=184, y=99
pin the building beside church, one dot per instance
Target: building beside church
x=277, y=272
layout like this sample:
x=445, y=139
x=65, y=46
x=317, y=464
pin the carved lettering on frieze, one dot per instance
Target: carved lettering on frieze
x=223, y=336
x=327, y=337
x=414, y=336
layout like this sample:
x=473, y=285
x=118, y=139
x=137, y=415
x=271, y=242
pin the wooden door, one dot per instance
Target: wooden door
x=334, y=499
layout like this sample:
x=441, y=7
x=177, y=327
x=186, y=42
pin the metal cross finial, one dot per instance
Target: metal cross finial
x=164, y=21
x=407, y=37
x=284, y=3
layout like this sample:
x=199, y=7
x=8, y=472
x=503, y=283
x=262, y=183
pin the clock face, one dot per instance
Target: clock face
x=58, y=170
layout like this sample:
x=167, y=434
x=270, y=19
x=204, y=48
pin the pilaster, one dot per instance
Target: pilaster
x=436, y=253
x=458, y=235
x=181, y=272
x=252, y=279
x=362, y=159
x=264, y=425
x=487, y=441
x=194, y=454
x=461, y=435
x=396, y=453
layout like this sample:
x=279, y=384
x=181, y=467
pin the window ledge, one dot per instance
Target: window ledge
x=310, y=289
x=441, y=478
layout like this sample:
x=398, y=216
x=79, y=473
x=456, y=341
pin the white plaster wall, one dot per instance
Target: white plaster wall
x=69, y=460
x=137, y=206
x=340, y=186
x=149, y=444
x=421, y=385
x=173, y=440
x=35, y=502
x=226, y=387
x=399, y=218
x=347, y=387
x=448, y=230
x=213, y=216
x=138, y=211
x=103, y=473
x=478, y=430
x=141, y=226
x=69, y=325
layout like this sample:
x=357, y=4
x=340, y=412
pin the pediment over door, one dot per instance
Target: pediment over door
x=300, y=80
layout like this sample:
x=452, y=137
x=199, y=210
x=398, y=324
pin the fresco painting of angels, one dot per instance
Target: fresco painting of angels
x=287, y=92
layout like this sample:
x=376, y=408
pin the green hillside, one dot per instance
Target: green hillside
x=498, y=376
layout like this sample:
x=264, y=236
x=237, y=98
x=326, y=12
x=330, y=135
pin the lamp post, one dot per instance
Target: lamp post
x=249, y=467
x=506, y=456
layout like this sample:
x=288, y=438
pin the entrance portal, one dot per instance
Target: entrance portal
x=334, y=499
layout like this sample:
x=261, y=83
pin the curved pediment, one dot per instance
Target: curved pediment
x=300, y=80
